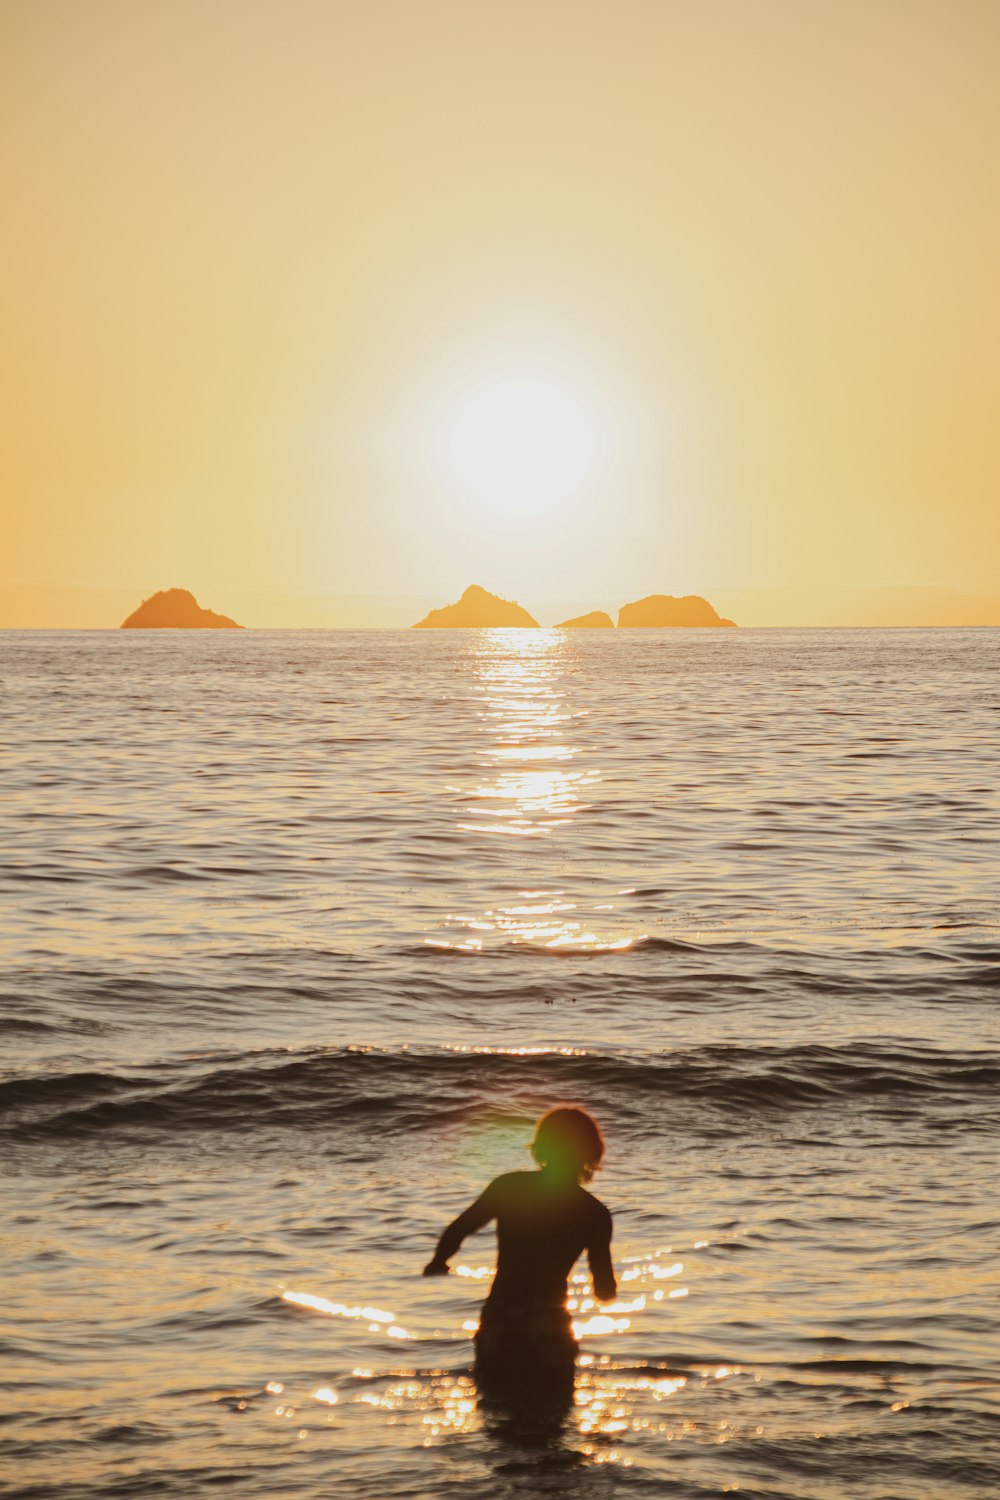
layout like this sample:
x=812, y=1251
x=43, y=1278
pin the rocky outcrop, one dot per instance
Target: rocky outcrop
x=477, y=610
x=665, y=610
x=176, y=609
x=596, y=620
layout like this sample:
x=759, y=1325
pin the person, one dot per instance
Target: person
x=545, y=1219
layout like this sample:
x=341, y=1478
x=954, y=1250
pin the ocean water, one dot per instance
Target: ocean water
x=301, y=930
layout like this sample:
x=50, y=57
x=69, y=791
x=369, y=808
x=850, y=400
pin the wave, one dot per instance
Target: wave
x=419, y=1087
x=591, y=948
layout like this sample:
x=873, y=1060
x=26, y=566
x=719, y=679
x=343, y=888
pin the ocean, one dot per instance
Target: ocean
x=302, y=930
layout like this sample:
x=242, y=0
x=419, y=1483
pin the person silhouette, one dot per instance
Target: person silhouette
x=545, y=1219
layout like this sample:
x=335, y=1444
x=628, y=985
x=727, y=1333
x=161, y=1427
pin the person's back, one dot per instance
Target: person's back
x=545, y=1220
x=543, y=1227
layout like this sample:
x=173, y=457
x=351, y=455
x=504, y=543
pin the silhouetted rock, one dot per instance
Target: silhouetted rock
x=176, y=609
x=476, y=610
x=664, y=609
x=596, y=620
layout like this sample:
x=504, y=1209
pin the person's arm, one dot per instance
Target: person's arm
x=599, y=1258
x=474, y=1217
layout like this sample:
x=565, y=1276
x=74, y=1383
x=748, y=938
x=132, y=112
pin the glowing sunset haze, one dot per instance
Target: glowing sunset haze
x=499, y=640
x=323, y=310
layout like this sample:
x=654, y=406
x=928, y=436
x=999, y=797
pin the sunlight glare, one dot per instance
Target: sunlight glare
x=520, y=439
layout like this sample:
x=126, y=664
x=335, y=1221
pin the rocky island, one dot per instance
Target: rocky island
x=176, y=609
x=665, y=610
x=596, y=620
x=477, y=610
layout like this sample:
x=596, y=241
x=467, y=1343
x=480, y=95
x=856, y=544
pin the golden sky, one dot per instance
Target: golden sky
x=325, y=309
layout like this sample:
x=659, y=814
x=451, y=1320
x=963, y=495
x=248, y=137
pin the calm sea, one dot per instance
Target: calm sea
x=300, y=931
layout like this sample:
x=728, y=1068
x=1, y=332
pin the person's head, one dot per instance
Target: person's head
x=568, y=1141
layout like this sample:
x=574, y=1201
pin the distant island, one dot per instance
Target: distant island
x=477, y=610
x=596, y=620
x=665, y=610
x=176, y=609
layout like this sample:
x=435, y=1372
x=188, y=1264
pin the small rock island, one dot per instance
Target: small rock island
x=596, y=620
x=176, y=609
x=477, y=610
x=665, y=610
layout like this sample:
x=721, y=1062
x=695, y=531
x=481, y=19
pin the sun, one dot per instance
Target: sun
x=520, y=440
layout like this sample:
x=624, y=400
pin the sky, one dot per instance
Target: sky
x=324, y=310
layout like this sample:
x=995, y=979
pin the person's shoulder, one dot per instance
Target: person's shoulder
x=508, y=1183
x=599, y=1211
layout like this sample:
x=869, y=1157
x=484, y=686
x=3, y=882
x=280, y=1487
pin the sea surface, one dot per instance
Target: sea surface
x=300, y=931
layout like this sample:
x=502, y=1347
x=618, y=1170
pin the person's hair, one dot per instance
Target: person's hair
x=569, y=1140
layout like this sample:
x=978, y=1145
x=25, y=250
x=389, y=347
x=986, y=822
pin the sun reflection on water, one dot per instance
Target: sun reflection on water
x=437, y=1405
x=541, y=924
x=530, y=784
x=621, y=1399
x=377, y=1319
